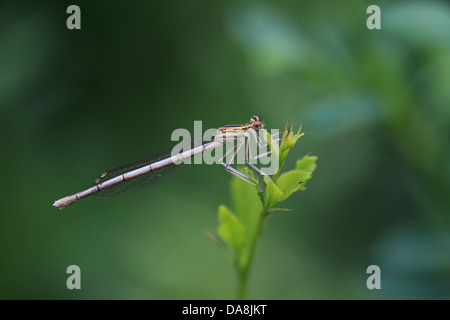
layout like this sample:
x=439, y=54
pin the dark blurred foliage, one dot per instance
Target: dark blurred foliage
x=374, y=106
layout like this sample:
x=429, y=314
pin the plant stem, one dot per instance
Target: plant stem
x=242, y=271
x=241, y=284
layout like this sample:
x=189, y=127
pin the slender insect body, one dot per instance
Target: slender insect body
x=139, y=170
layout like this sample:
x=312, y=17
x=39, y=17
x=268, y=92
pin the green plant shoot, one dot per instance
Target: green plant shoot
x=239, y=229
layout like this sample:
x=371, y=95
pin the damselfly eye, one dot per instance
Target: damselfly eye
x=256, y=122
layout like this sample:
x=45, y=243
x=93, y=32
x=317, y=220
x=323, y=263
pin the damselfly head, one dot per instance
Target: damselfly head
x=256, y=123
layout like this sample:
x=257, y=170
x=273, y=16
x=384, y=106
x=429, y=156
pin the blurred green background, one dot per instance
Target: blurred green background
x=374, y=106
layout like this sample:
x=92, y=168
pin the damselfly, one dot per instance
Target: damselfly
x=152, y=169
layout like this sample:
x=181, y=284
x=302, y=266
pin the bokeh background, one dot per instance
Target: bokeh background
x=374, y=106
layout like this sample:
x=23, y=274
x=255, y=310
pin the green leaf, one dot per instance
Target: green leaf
x=231, y=230
x=273, y=194
x=288, y=141
x=246, y=204
x=253, y=178
x=307, y=164
x=274, y=147
x=292, y=181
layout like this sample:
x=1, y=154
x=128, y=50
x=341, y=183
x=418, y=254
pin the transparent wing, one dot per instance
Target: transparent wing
x=138, y=182
x=145, y=179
